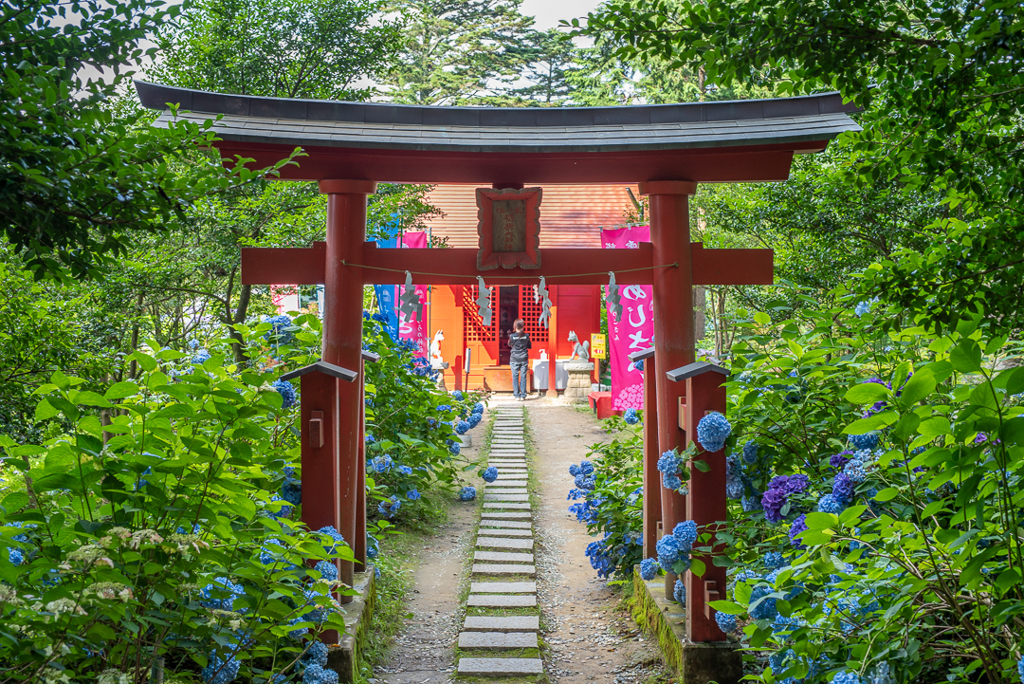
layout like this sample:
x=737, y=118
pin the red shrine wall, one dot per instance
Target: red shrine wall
x=571, y=216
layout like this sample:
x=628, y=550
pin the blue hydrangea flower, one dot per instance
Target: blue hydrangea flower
x=648, y=569
x=491, y=474
x=685, y=534
x=382, y=463
x=734, y=487
x=413, y=495
x=444, y=408
x=866, y=441
x=861, y=309
x=372, y=547
x=478, y=408
x=712, y=431
x=473, y=420
x=679, y=592
x=390, y=506
x=668, y=463
x=751, y=503
x=327, y=570
x=287, y=392
x=750, y=452
x=467, y=494
x=766, y=609
x=671, y=482
x=631, y=417
x=220, y=671
x=799, y=526
x=316, y=653
x=462, y=427
x=1020, y=669
x=335, y=537
x=220, y=586
x=774, y=560
x=457, y=395
x=829, y=504
x=454, y=448
x=278, y=333
x=201, y=357
x=845, y=676
x=843, y=489
x=639, y=364
x=574, y=470
x=727, y=623
x=405, y=470
x=16, y=556
x=586, y=467
x=668, y=551
x=369, y=439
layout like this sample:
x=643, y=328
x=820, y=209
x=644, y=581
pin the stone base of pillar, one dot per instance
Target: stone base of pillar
x=666, y=621
x=344, y=657
x=578, y=386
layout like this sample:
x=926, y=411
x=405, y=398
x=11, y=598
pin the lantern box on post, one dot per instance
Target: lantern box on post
x=706, y=658
x=652, y=478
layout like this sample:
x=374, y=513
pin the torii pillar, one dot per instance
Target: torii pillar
x=672, y=289
x=343, y=339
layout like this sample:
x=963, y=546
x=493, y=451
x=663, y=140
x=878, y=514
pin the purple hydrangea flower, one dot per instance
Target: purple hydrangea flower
x=799, y=526
x=843, y=489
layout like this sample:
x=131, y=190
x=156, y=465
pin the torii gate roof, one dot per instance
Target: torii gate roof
x=748, y=140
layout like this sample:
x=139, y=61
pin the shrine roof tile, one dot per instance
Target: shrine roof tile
x=468, y=129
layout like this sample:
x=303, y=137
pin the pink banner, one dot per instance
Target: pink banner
x=411, y=327
x=636, y=329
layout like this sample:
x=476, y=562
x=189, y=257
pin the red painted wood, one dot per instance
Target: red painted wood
x=320, y=504
x=673, y=332
x=706, y=505
x=722, y=164
x=652, y=478
x=359, y=547
x=342, y=345
x=307, y=266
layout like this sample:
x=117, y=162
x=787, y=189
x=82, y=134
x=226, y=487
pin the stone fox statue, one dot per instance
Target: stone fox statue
x=580, y=352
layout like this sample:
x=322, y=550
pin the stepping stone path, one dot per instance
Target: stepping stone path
x=499, y=636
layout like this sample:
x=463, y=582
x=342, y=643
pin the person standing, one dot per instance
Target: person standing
x=519, y=357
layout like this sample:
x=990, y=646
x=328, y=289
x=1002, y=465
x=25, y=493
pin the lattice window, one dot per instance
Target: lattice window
x=475, y=330
x=529, y=311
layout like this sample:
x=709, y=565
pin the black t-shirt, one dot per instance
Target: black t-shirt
x=519, y=344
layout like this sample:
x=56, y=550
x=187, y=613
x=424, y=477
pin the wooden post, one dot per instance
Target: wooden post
x=553, y=343
x=672, y=288
x=706, y=506
x=342, y=338
x=652, y=478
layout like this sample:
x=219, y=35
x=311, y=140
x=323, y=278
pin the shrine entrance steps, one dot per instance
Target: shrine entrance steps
x=499, y=637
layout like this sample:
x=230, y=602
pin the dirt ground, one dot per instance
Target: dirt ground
x=590, y=639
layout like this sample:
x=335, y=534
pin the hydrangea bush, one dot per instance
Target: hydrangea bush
x=608, y=499
x=877, y=514
x=165, y=540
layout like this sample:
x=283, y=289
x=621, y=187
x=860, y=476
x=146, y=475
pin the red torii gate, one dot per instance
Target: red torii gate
x=667, y=149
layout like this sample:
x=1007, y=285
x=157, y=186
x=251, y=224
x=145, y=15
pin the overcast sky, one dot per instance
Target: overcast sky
x=550, y=12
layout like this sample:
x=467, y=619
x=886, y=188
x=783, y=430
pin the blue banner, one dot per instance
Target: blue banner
x=386, y=297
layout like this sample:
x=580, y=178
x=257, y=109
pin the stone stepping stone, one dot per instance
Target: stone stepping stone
x=506, y=489
x=499, y=569
x=502, y=532
x=503, y=557
x=503, y=587
x=505, y=484
x=515, y=623
x=511, y=474
x=513, y=515
x=498, y=641
x=508, y=505
x=500, y=667
x=501, y=601
x=499, y=543
x=515, y=463
x=506, y=497
x=506, y=524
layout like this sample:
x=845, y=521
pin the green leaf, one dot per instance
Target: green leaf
x=906, y=426
x=121, y=390
x=867, y=393
x=44, y=411
x=887, y=494
x=871, y=423
x=15, y=501
x=145, y=361
x=91, y=399
x=816, y=537
x=821, y=521
x=702, y=466
x=917, y=388
x=1015, y=383
x=728, y=607
x=1012, y=431
x=966, y=357
x=852, y=513
x=697, y=567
